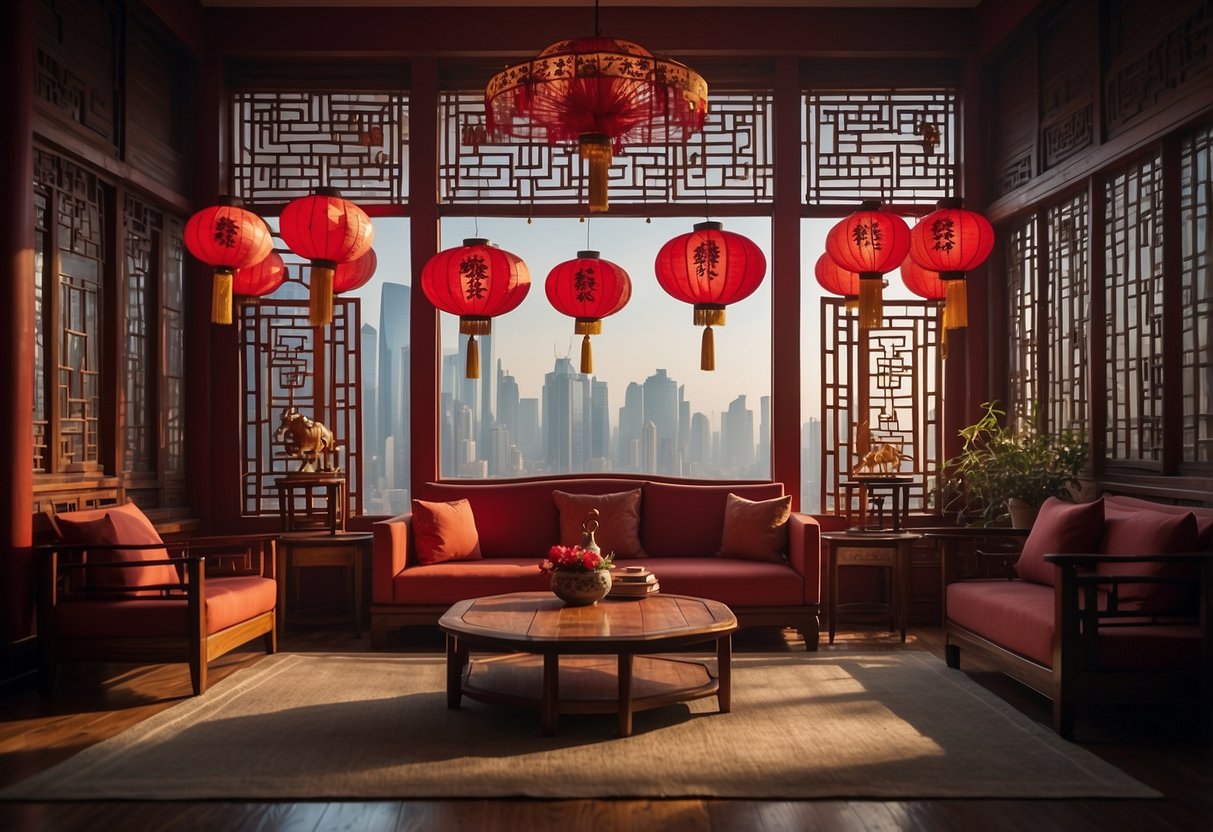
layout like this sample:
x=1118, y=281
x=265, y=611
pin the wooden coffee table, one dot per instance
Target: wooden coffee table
x=537, y=630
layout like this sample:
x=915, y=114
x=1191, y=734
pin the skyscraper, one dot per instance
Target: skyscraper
x=395, y=302
x=372, y=441
x=737, y=438
x=661, y=408
x=631, y=427
x=566, y=428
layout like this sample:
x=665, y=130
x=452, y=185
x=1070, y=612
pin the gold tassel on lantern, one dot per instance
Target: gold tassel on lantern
x=472, y=327
x=587, y=327
x=221, y=297
x=596, y=149
x=956, y=305
x=708, y=315
x=320, y=293
x=871, y=302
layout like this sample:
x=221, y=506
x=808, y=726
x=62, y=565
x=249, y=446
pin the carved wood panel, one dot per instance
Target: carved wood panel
x=1022, y=298
x=1068, y=63
x=77, y=45
x=1196, y=195
x=1068, y=300
x=1012, y=131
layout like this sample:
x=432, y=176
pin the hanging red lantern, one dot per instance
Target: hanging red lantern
x=927, y=285
x=476, y=281
x=710, y=268
x=952, y=241
x=869, y=242
x=328, y=231
x=836, y=280
x=356, y=273
x=588, y=289
x=260, y=279
x=604, y=92
x=226, y=237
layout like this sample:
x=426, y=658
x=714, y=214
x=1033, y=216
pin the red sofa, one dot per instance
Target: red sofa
x=1109, y=602
x=681, y=527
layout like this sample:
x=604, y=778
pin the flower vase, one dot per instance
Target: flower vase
x=581, y=589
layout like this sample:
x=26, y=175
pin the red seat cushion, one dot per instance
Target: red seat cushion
x=229, y=601
x=1061, y=528
x=124, y=524
x=732, y=581
x=1017, y=615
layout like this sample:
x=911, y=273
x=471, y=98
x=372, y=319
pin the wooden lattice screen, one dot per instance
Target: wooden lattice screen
x=281, y=360
x=891, y=378
x=1197, y=295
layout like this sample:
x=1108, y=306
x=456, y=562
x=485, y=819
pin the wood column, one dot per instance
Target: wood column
x=18, y=322
x=785, y=283
x=425, y=350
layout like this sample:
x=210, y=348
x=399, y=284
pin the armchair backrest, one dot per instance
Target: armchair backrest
x=114, y=526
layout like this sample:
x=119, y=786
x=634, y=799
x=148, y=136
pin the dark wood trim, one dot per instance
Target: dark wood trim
x=425, y=354
x=785, y=286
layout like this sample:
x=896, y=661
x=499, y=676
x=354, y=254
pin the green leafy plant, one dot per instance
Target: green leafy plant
x=997, y=463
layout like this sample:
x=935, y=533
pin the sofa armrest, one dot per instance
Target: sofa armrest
x=389, y=554
x=804, y=553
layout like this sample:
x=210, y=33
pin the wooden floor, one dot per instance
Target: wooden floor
x=93, y=703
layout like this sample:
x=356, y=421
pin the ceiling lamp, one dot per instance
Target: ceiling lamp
x=952, y=241
x=476, y=281
x=226, y=237
x=356, y=273
x=260, y=279
x=603, y=92
x=927, y=285
x=869, y=242
x=328, y=231
x=588, y=289
x=836, y=280
x=710, y=268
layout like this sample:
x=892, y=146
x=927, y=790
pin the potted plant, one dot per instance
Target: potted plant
x=1002, y=471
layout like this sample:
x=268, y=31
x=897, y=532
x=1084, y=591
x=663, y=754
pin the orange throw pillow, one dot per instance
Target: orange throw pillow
x=445, y=531
x=618, y=520
x=124, y=524
x=756, y=530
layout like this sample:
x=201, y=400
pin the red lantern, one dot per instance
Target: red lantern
x=606, y=93
x=356, y=273
x=328, y=231
x=928, y=286
x=588, y=289
x=836, y=280
x=952, y=241
x=226, y=237
x=260, y=279
x=869, y=242
x=710, y=268
x=475, y=281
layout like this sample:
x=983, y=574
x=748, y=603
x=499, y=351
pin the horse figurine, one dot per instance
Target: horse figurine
x=882, y=461
x=306, y=439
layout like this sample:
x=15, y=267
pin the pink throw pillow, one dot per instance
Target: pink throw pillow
x=118, y=525
x=445, y=531
x=1151, y=533
x=756, y=530
x=618, y=520
x=1061, y=528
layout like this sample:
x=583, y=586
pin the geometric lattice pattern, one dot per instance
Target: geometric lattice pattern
x=893, y=145
x=889, y=377
x=1022, y=300
x=285, y=365
x=1197, y=294
x=1134, y=266
x=286, y=144
x=730, y=160
x=1069, y=315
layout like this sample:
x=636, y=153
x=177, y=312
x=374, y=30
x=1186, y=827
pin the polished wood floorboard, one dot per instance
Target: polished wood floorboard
x=1157, y=746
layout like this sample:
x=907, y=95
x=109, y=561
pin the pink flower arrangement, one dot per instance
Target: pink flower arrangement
x=575, y=559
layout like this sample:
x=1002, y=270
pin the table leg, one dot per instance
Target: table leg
x=902, y=576
x=724, y=673
x=549, y=709
x=625, y=694
x=832, y=588
x=456, y=661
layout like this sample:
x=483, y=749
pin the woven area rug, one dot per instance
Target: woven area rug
x=322, y=726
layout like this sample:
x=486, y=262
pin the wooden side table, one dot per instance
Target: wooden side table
x=305, y=550
x=899, y=490
x=299, y=487
x=886, y=549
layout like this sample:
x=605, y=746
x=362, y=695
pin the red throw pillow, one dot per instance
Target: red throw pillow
x=124, y=524
x=618, y=520
x=1061, y=528
x=756, y=530
x=1151, y=533
x=445, y=531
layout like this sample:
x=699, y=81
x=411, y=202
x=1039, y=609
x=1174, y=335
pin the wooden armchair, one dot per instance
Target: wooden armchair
x=112, y=590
